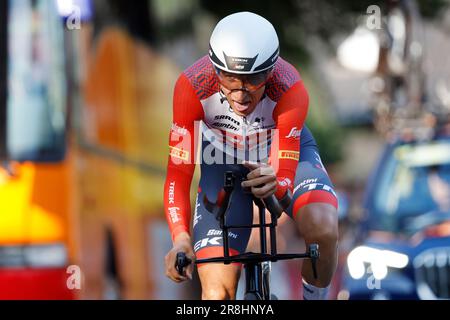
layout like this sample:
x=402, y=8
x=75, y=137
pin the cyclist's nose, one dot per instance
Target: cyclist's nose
x=242, y=84
x=240, y=95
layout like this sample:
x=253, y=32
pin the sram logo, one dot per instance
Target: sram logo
x=207, y=242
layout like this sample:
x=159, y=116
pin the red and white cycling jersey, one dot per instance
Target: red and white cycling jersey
x=198, y=98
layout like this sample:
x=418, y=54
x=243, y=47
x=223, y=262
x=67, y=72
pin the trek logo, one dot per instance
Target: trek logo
x=173, y=213
x=316, y=186
x=172, y=192
x=239, y=60
x=207, y=241
x=295, y=133
x=240, y=64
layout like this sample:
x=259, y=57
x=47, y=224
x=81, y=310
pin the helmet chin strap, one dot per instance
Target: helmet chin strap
x=223, y=97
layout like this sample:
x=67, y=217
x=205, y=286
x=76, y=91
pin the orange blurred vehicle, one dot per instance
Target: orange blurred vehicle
x=83, y=148
x=35, y=182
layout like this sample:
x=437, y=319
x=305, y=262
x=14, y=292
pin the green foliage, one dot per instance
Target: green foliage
x=430, y=8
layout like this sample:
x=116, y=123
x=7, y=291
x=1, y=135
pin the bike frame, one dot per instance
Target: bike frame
x=256, y=265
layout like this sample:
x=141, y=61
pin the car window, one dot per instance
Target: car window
x=36, y=105
x=414, y=180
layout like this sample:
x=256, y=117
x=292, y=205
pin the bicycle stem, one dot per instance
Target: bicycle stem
x=228, y=188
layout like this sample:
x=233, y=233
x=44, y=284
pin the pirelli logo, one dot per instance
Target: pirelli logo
x=290, y=155
x=179, y=154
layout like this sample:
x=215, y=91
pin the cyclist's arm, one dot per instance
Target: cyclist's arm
x=187, y=109
x=289, y=114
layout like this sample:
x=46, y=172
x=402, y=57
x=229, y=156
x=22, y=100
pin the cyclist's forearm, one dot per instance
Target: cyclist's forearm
x=187, y=109
x=290, y=112
x=183, y=236
x=177, y=202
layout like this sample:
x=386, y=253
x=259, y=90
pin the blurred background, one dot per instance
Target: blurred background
x=85, y=111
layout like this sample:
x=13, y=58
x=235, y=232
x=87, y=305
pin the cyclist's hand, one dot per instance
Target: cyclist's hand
x=182, y=243
x=262, y=179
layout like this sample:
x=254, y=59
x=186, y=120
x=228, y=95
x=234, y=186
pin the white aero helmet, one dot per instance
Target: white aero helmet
x=244, y=43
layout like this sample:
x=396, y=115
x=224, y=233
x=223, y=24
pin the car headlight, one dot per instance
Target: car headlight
x=380, y=261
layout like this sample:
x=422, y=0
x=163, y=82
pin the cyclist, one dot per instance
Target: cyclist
x=249, y=105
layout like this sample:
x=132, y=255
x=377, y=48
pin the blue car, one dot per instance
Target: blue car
x=403, y=250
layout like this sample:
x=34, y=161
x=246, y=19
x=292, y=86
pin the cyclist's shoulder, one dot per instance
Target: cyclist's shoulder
x=285, y=76
x=201, y=76
x=201, y=67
